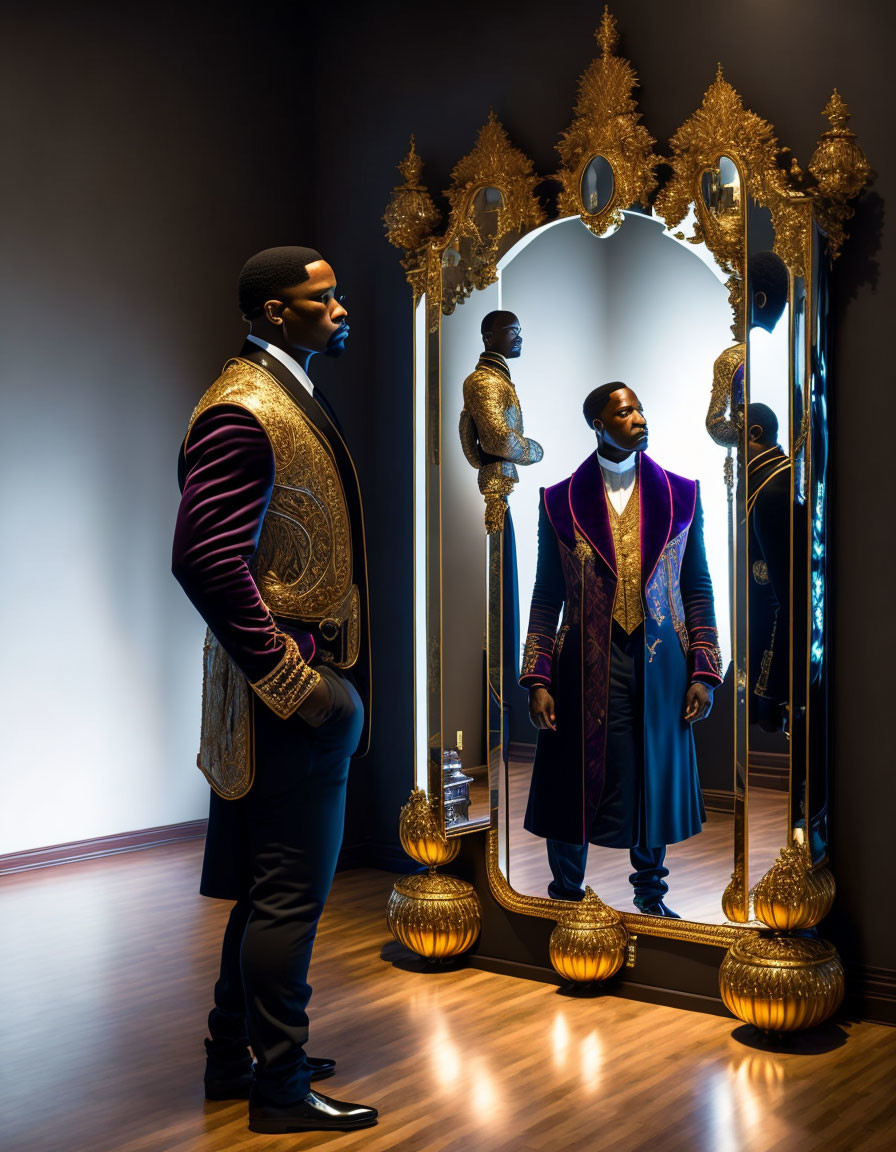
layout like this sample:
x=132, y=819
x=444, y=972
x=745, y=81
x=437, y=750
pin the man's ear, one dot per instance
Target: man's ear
x=273, y=311
x=755, y=432
x=598, y=427
x=488, y=338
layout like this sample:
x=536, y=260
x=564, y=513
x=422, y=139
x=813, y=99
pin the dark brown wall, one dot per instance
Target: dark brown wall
x=397, y=69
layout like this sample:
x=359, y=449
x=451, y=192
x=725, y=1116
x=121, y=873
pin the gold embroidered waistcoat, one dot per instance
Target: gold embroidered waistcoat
x=303, y=565
x=628, y=610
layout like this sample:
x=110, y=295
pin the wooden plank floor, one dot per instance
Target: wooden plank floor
x=106, y=971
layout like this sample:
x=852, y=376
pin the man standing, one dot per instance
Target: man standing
x=491, y=421
x=633, y=665
x=491, y=436
x=269, y=546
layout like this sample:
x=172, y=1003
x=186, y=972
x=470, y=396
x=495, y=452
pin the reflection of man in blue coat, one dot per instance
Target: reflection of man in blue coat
x=633, y=665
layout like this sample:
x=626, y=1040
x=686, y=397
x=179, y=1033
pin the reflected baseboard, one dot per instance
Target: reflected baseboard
x=769, y=770
x=718, y=800
x=523, y=753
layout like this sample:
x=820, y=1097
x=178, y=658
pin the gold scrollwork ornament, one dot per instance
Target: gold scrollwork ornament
x=589, y=941
x=607, y=125
x=792, y=895
x=420, y=832
x=734, y=904
x=411, y=218
x=841, y=169
x=469, y=255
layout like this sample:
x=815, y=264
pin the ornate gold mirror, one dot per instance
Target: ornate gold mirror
x=706, y=298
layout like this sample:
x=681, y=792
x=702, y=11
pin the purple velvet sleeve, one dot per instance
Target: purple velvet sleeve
x=548, y=597
x=227, y=476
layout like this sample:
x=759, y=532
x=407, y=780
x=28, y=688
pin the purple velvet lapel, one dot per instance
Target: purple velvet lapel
x=588, y=504
x=667, y=508
x=656, y=514
x=556, y=502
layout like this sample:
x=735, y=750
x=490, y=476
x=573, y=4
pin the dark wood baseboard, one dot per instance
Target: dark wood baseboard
x=619, y=986
x=871, y=993
x=101, y=846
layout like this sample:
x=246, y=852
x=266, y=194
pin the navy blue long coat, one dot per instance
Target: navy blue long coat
x=576, y=574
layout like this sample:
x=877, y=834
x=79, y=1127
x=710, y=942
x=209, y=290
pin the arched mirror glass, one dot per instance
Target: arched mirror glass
x=639, y=307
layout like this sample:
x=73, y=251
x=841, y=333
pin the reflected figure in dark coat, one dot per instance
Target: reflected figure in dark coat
x=769, y=478
x=614, y=690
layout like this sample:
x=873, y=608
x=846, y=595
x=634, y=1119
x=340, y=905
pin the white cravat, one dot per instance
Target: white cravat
x=286, y=360
x=619, y=479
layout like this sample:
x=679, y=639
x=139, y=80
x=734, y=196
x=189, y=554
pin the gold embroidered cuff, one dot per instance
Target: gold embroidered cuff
x=291, y=682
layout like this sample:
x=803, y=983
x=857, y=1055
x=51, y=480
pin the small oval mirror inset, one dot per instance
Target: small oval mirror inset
x=486, y=204
x=720, y=187
x=597, y=185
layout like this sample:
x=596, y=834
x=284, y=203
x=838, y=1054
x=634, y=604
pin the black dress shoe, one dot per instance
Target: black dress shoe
x=657, y=908
x=315, y=1113
x=237, y=1086
x=321, y=1067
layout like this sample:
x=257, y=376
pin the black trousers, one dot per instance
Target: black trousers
x=291, y=824
x=618, y=822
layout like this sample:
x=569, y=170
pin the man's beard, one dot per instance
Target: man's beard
x=336, y=344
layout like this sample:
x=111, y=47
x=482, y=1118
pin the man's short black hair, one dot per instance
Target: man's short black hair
x=762, y=415
x=596, y=401
x=489, y=319
x=267, y=273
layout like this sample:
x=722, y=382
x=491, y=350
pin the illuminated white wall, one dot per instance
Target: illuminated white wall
x=101, y=668
x=635, y=306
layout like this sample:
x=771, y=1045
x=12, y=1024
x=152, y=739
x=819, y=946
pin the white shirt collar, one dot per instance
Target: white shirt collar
x=622, y=466
x=288, y=362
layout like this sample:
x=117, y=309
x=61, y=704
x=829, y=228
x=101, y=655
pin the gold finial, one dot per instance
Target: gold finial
x=836, y=111
x=607, y=35
x=720, y=75
x=411, y=167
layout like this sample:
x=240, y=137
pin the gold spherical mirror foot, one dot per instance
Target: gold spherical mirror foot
x=782, y=983
x=589, y=941
x=437, y=917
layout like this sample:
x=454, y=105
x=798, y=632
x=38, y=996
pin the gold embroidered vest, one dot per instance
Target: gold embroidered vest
x=628, y=610
x=303, y=565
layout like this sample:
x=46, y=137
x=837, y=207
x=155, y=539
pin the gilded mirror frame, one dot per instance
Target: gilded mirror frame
x=809, y=212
